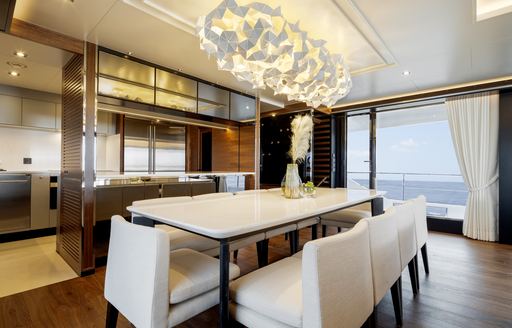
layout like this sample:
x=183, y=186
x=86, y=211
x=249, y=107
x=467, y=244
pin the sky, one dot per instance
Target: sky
x=419, y=148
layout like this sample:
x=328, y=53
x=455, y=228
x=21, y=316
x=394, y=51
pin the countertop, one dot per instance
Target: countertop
x=127, y=175
x=49, y=172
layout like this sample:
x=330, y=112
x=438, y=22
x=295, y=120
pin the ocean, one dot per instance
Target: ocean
x=444, y=192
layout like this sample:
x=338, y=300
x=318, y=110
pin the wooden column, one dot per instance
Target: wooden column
x=89, y=157
x=257, y=147
x=505, y=163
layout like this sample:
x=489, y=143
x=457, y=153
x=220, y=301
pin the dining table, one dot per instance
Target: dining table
x=232, y=218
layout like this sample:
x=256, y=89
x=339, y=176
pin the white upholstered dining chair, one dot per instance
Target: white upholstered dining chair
x=407, y=240
x=153, y=287
x=330, y=286
x=420, y=216
x=385, y=256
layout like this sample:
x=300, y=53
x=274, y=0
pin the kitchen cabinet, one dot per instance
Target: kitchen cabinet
x=38, y=114
x=112, y=201
x=10, y=110
x=40, y=201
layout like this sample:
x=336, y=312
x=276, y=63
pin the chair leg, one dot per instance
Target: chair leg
x=235, y=254
x=415, y=259
x=112, y=314
x=424, y=256
x=371, y=322
x=396, y=295
x=413, y=275
x=286, y=236
x=262, y=250
x=339, y=229
x=294, y=241
x=324, y=230
x=314, y=232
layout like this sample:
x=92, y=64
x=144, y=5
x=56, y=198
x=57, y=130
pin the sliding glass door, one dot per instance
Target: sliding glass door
x=358, y=151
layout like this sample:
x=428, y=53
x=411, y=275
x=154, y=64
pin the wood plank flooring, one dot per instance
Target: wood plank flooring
x=470, y=285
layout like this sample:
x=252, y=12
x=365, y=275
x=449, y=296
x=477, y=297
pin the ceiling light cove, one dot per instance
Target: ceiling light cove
x=491, y=8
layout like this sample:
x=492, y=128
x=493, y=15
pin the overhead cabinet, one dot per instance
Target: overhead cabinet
x=10, y=110
x=123, y=78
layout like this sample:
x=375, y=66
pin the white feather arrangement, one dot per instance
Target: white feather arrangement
x=301, y=126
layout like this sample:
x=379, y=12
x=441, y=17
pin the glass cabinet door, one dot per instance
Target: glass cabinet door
x=213, y=101
x=177, y=92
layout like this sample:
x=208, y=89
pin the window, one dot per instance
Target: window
x=358, y=151
x=415, y=156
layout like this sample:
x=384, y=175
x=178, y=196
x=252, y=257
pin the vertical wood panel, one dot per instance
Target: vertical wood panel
x=90, y=127
x=69, y=226
x=192, y=149
x=505, y=163
x=225, y=149
x=322, y=149
x=247, y=146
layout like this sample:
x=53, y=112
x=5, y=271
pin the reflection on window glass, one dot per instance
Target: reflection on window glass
x=213, y=101
x=415, y=156
x=358, y=151
x=242, y=108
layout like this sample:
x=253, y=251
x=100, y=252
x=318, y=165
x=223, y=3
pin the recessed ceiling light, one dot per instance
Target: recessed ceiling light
x=406, y=73
x=273, y=114
x=14, y=73
x=20, y=53
x=246, y=107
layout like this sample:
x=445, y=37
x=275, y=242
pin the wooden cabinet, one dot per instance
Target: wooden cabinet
x=10, y=110
x=112, y=201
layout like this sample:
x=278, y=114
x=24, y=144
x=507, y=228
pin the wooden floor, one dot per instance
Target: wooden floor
x=470, y=285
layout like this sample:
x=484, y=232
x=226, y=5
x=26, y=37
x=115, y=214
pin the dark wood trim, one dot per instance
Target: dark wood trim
x=477, y=86
x=9, y=14
x=445, y=225
x=29, y=234
x=505, y=163
x=120, y=127
x=44, y=36
x=340, y=153
x=89, y=155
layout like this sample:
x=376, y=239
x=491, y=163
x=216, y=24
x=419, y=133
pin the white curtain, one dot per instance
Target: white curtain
x=474, y=121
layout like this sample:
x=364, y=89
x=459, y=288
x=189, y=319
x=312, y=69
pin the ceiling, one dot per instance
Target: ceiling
x=41, y=70
x=438, y=41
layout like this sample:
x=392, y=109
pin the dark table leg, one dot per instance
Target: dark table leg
x=140, y=220
x=377, y=206
x=224, y=258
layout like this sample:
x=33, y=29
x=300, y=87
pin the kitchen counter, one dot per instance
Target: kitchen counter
x=130, y=178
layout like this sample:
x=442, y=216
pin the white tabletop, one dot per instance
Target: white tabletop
x=242, y=214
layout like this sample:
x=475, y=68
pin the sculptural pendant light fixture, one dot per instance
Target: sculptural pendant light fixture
x=258, y=45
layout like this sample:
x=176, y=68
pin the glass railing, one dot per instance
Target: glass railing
x=446, y=193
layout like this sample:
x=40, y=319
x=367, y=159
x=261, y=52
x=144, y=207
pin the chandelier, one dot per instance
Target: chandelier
x=258, y=45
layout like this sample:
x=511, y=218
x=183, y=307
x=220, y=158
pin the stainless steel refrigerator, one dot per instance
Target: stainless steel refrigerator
x=152, y=147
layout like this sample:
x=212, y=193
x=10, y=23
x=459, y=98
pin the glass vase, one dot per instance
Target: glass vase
x=292, y=182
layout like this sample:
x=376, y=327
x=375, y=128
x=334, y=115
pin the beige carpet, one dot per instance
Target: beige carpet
x=29, y=264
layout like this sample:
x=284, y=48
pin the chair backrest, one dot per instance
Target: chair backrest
x=337, y=279
x=137, y=277
x=161, y=201
x=385, y=252
x=214, y=195
x=420, y=217
x=406, y=232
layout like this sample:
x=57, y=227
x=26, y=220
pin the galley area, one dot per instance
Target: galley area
x=268, y=163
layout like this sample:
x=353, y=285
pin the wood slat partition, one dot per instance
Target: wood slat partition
x=225, y=149
x=322, y=149
x=69, y=226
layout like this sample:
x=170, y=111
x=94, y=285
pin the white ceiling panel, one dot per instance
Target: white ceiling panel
x=41, y=70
